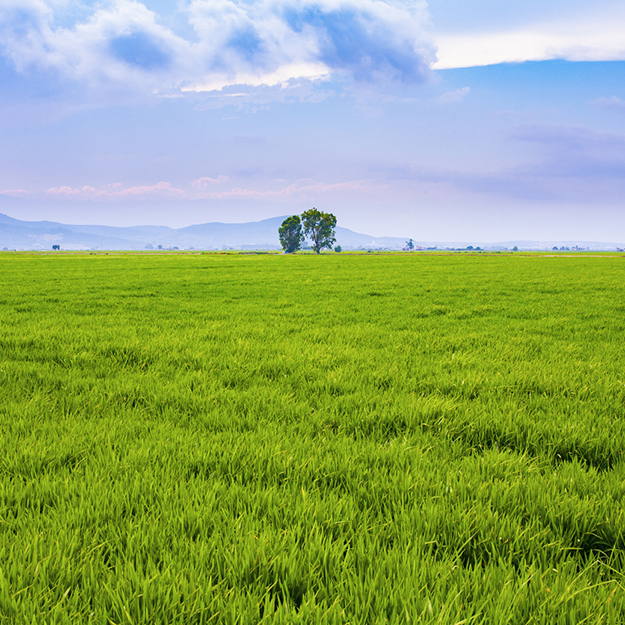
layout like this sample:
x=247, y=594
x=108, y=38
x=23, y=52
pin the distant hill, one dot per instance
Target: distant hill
x=260, y=235
x=33, y=235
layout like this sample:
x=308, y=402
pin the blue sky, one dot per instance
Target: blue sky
x=446, y=120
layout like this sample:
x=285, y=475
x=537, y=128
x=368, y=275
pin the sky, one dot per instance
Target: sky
x=441, y=121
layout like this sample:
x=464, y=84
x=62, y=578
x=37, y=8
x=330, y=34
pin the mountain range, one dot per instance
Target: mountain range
x=38, y=235
x=16, y=234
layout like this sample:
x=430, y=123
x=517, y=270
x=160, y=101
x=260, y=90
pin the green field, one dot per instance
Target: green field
x=357, y=439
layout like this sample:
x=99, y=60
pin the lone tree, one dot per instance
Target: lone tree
x=290, y=233
x=319, y=227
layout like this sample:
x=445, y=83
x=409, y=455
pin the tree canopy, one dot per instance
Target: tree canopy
x=319, y=228
x=290, y=233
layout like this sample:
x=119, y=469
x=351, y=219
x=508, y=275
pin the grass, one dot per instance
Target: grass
x=337, y=439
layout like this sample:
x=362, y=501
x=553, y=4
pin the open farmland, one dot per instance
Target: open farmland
x=297, y=439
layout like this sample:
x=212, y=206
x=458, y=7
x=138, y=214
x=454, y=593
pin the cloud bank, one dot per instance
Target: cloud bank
x=568, y=164
x=587, y=37
x=203, y=190
x=123, y=45
x=164, y=189
x=571, y=165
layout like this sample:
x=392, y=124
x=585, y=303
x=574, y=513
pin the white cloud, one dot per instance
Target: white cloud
x=281, y=76
x=591, y=38
x=453, y=96
x=251, y=97
x=122, y=45
x=610, y=103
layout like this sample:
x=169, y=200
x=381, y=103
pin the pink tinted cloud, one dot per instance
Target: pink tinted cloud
x=15, y=192
x=163, y=188
x=299, y=187
x=63, y=191
x=202, y=183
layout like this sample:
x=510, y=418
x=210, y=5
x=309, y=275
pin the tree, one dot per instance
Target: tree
x=409, y=245
x=290, y=233
x=319, y=227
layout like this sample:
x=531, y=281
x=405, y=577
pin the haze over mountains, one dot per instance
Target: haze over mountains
x=16, y=234
x=33, y=235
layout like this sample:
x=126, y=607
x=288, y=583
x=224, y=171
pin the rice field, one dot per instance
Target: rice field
x=362, y=439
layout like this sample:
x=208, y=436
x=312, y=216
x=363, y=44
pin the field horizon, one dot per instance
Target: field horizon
x=16, y=234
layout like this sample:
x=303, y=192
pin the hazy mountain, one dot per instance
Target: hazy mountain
x=17, y=234
x=33, y=235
